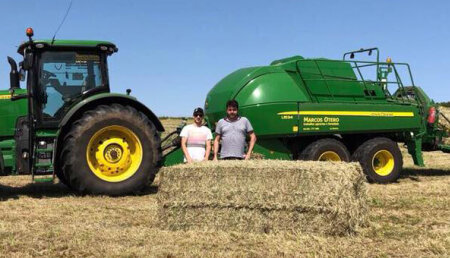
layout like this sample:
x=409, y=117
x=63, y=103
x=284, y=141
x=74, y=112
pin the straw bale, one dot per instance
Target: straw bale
x=263, y=196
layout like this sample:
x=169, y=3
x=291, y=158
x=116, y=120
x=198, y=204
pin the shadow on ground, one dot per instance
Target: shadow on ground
x=35, y=190
x=49, y=189
x=414, y=173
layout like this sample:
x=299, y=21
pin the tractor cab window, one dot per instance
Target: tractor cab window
x=64, y=76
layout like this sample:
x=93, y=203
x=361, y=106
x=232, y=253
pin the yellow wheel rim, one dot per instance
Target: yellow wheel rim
x=114, y=153
x=329, y=156
x=383, y=162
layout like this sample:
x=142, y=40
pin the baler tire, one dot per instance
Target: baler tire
x=366, y=154
x=316, y=149
x=140, y=151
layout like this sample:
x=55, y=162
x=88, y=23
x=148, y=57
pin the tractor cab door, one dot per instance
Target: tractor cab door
x=63, y=78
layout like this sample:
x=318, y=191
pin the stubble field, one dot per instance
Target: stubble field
x=408, y=218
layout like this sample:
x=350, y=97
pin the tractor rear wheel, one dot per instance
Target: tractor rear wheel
x=111, y=150
x=327, y=149
x=380, y=159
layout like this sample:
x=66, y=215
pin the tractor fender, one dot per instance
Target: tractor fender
x=104, y=99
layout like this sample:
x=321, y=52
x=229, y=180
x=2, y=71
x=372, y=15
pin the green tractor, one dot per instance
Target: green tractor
x=66, y=123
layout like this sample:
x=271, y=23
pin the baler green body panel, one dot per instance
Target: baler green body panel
x=8, y=152
x=10, y=111
x=361, y=118
x=264, y=95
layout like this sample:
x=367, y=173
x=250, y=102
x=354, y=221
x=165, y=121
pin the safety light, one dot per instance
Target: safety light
x=30, y=32
x=388, y=60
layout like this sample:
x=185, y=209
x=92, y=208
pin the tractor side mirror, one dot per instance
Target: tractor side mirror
x=22, y=74
x=13, y=75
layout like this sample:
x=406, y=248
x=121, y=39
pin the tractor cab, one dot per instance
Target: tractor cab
x=60, y=73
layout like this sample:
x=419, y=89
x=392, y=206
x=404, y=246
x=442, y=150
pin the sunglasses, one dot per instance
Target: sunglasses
x=196, y=115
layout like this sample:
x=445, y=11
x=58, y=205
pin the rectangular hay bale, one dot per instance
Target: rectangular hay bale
x=263, y=196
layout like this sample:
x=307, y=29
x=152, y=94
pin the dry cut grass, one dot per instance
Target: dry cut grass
x=263, y=196
x=408, y=219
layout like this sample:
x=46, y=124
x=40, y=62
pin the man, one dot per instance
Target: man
x=196, y=139
x=232, y=130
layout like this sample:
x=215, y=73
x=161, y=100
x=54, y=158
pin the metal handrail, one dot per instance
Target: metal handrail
x=356, y=65
x=352, y=54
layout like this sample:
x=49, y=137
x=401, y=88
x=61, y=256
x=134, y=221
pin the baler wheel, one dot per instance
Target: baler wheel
x=327, y=149
x=112, y=150
x=380, y=159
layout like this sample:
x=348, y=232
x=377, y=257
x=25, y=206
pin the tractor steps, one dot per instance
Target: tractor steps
x=44, y=150
x=43, y=179
x=43, y=170
x=43, y=165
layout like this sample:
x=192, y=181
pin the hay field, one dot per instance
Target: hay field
x=445, y=111
x=409, y=218
x=446, y=124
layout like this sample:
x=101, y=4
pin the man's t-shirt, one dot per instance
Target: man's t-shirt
x=233, y=134
x=196, y=140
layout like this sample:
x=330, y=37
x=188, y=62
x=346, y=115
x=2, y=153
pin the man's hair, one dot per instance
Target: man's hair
x=232, y=103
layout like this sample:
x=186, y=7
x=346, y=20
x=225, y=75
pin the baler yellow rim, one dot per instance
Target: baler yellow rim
x=329, y=156
x=383, y=162
x=114, y=153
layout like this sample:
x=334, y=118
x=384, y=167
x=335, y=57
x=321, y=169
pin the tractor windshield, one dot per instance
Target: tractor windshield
x=66, y=75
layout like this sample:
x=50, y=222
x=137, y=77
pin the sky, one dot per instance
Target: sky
x=171, y=53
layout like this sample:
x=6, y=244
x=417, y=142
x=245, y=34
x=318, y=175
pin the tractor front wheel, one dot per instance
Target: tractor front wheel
x=111, y=150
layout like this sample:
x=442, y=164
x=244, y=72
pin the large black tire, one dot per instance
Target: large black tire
x=114, y=121
x=380, y=159
x=327, y=149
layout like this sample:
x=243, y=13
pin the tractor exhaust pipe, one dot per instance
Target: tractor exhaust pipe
x=14, y=74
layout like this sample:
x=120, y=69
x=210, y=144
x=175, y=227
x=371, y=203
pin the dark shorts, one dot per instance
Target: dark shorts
x=232, y=158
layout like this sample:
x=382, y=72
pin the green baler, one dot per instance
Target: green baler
x=339, y=110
